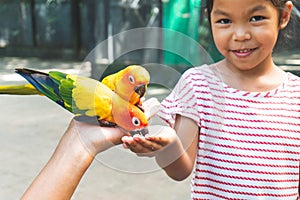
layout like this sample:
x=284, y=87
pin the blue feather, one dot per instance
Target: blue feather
x=43, y=83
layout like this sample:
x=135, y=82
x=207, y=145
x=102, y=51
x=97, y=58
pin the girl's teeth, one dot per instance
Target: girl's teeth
x=243, y=51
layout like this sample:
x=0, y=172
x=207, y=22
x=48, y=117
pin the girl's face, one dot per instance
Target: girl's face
x=245, y=31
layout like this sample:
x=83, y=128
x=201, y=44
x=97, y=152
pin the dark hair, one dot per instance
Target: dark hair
x=279, y=4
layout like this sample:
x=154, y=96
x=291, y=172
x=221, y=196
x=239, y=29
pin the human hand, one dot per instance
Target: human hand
x=97, y=139
x=158, y=139
x=94, y=138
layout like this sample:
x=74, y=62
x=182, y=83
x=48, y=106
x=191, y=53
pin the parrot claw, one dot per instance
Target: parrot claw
x=86, y=119
x=142, y=132
x=105, y=123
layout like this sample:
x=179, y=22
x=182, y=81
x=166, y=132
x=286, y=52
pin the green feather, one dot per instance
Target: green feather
x=55, y=85
x=65, y=88
x=57, y=76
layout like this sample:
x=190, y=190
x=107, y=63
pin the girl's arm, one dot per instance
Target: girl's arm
x=174, y=149
x=185, y=148
x=73, y=155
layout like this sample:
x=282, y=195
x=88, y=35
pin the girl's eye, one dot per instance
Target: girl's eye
x=257, y=18
x=224, y=21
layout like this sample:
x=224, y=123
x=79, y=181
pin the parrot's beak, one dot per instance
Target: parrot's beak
x=140, y=90
x=143, y=132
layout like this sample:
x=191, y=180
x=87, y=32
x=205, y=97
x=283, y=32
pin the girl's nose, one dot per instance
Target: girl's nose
x=241, y=34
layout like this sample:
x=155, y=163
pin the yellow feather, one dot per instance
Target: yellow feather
x=25, y=89
x=125, y=81
x=99, y=100
x=89, y=97
x=109, y=81
x=92, y=96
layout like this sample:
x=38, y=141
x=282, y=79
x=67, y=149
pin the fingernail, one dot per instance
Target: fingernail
x=125, y=146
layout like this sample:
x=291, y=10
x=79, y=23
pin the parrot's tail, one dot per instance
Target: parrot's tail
x=42, y=83
x=25, y=89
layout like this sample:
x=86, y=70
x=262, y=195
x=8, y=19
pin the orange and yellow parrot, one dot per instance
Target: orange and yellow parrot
x=130, y=83
x=85, y=97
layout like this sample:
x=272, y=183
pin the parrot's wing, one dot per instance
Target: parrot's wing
x=55, y=85
x=43, y=83
x=92, y=96
x=78, y=93
x=64, y=89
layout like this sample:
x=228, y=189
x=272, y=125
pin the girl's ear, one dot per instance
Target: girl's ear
x=286, y=15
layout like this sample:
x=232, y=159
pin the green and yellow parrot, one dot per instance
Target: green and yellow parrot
x=130, y=83
x=85, y=97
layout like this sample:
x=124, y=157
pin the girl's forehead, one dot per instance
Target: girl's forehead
x=242, y=5
x=246, y=3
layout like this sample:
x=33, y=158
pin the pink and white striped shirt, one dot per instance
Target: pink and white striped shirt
x=249, y=142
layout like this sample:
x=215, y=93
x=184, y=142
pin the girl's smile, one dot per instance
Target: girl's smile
x=243, y=53
x=245, y=32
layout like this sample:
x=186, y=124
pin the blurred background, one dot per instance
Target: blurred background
x=70, y=30
x=64, y=35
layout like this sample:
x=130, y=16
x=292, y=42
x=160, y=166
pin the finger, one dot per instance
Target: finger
x=159, y=140
x=133, y=145
x=150, y=145
x=125, y=146
x=126, y=138
x=137, y=148
x=140, y=146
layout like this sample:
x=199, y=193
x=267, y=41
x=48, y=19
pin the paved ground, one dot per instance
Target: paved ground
x=31, y=126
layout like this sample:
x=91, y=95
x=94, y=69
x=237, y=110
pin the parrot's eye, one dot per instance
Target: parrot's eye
x=131, y=79
x=136, y=121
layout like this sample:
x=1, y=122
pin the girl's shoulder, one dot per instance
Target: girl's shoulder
x=293, y=77
x=198, y=69
x=202, y=70
x=293, y=82
x=200, y=73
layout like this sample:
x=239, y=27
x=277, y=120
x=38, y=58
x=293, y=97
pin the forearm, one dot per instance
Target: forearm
x=178, y=159
x=61, y=175
x=175, y=161
x=72, y=157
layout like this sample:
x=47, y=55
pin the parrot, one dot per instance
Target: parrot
x=130, y=83
x=84, y=96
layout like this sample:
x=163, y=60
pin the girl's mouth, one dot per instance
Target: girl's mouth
x=243, y=52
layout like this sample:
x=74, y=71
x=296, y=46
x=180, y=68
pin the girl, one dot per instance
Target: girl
x=236, y=120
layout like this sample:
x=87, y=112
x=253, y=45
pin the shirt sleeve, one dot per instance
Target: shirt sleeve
x=182, y=101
